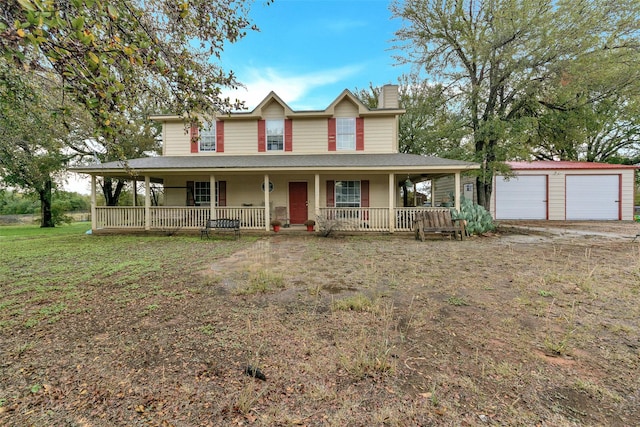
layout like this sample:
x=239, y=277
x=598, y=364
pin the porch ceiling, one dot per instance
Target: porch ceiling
x=402, y=163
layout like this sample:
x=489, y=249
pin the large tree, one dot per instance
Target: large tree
x=140, y=137
x=507, y=58
x=32, y=134
x=110, y=53
x=600, y=131
x=429, y=125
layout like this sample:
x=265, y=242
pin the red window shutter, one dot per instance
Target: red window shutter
x=331, y=202
x=194, y=138
x=220, y=137
x=222, y=193
x=332, y=134
x=359, y=133
x=364, y=199
x=288, y=135
x=262, y=136
x=364, y=194
x=191, y=200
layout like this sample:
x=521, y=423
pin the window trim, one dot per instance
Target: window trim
x=280, y=127
x=206, y=184
x=341, y=135
x=208, y=134
x=337, y=185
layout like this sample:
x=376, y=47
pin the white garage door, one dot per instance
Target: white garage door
x=593, y=197
x=523, y=197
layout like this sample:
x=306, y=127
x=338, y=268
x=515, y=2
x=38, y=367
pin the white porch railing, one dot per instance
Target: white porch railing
x=405, y=216
x=164, y=217
x=119, y=217
x=356, y=219
x=371, y=219
x=251, y=218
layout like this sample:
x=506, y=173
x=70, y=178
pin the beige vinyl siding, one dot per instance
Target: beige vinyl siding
x=273, y=111
x=345, y=108
x=310, y=136
x=176, y=140
x=175, y=196
x=441, y=187
x=380, y=135
x=556, y=195
x=628, y=194
x=240, y=137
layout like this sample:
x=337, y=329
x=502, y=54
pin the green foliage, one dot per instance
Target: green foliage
x=522, y=72
x=429, y=126
x=63, y=202
x=14, y=203
x=111, y=53
x=31, y=134
x=478, y=219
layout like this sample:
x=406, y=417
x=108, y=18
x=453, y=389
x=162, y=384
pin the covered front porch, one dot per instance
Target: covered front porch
x=187, y=217
x=351, y=193
x=388, y=218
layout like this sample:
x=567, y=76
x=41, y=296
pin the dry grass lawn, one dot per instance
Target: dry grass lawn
x=509, y=329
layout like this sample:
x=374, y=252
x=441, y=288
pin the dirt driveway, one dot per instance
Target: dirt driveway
x=607, y=229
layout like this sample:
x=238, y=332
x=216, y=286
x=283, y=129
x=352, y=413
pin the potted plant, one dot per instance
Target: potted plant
x=275, y=223
x=310, y=224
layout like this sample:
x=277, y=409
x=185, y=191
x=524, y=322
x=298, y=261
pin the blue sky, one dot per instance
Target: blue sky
x=309, y=51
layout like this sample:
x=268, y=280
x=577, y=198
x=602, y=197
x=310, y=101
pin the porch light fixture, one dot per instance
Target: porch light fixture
x=408, y=183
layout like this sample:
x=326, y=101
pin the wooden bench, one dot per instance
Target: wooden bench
x=438, y=221
x=222, y=224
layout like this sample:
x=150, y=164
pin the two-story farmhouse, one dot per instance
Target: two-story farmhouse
x=341, y=163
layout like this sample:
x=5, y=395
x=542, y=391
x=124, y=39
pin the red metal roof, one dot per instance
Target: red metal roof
x=547, y=165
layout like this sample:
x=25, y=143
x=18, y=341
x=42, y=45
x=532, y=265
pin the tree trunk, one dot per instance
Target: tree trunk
x=45, y=205
x=112, y=195
x=484, y=182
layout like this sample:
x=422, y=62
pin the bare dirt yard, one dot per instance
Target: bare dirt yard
x=536, y=325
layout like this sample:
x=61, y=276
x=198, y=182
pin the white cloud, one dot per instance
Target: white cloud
x=293, y=89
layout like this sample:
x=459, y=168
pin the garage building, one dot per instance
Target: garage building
x=549, y=190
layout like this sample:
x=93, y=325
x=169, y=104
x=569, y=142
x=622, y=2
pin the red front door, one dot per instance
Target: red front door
x=298, y=202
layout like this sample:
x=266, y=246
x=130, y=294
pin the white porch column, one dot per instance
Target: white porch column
x=456, y=192
x=316, y=200
x=147, y=203
x=433, y=192
x=94, y=221
x=267, y=212
x=212, y=197
x=392, y=202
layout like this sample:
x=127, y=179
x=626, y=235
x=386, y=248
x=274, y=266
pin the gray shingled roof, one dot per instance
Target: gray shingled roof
x=337, y=161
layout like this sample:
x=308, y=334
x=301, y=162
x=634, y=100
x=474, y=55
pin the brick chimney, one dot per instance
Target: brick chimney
x=389, y=97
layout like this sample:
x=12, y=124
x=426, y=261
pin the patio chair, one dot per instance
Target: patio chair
x=281, y=215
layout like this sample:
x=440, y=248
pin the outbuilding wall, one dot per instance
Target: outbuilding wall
x=557, y=189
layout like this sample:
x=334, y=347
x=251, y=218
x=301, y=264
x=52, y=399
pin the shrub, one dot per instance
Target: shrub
x=478, y=219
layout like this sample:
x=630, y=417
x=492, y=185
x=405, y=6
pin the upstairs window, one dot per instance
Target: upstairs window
x=275, y=135
x=346, y=133
x=208, y=137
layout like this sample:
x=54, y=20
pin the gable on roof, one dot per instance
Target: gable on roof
x=268, y=103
